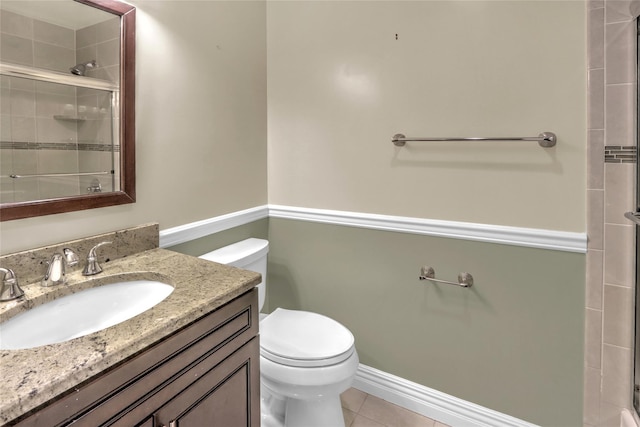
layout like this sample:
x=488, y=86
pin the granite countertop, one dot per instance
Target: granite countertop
x=34, y=376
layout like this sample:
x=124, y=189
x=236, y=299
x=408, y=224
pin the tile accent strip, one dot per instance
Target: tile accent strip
x=620, y=154
x=70, y=146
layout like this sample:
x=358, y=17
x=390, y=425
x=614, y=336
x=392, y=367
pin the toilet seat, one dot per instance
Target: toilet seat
x=304, y=339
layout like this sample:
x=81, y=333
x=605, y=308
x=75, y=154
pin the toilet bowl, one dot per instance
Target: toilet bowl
x=306, y=359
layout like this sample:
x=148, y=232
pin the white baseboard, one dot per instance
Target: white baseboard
x=516, y=236
x=429, y=402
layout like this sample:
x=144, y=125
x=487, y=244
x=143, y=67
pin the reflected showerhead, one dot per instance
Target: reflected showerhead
x=81, y=69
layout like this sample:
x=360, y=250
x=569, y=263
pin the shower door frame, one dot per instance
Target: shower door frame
x=636, y=346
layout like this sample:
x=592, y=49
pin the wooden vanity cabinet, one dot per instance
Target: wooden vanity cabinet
x=206, y=374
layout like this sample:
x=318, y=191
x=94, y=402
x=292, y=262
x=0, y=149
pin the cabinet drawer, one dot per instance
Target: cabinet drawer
x=99, y=400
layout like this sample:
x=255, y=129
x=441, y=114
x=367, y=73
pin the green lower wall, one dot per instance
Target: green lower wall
x=512, y=343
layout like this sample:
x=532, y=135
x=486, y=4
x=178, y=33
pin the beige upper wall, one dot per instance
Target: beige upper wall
x=340, y=85
x=201, y=122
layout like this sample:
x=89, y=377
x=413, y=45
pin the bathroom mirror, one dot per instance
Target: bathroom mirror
x=67, y=136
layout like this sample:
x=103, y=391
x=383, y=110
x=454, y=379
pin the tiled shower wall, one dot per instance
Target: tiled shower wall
x=51, y=128
x=612, y=123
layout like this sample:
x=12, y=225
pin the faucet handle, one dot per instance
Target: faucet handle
x=70, y=257
x=9, y=289
x=92, y=266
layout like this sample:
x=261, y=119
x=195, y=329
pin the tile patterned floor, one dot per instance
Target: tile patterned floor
x=363, y=410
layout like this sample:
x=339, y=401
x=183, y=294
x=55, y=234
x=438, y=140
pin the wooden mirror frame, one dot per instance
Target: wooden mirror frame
x=127, y=191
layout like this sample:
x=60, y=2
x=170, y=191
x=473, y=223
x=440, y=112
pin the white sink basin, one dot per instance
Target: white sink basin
x=80, y=314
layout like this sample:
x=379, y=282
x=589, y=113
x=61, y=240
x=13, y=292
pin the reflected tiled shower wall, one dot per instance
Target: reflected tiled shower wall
x=612, y=124
x=51, y=128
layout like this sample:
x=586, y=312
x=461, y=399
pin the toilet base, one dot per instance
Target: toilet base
x=278, y=411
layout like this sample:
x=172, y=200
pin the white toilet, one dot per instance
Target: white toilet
x=306, y=359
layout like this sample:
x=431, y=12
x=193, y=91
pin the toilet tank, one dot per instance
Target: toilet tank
x=249, y=254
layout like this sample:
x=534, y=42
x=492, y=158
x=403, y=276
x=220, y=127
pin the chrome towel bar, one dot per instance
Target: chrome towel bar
x=48, y=175
x=465, y=280
x=545, y=139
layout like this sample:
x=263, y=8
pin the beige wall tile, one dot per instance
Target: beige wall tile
x=620, y=52
x=50, y=104
x=52, y=130
x=15, y=24
x=593, y=338
x=595, y=165
x=44, y=87
x=52, y=57
x=25, y=162
x=107, y=30
x=23, y=129
x=86, y=54
x=592, y=395
x=6, y=183
x=609, y=415
x=86, y=37
x=619, y=194
x=616, y=381
x=16, y=50
x=619, y=10
x=595, y=219
x=108, y=53
x=53, y=34
x=22, y=84
x=619, y=255
x=618, y=316
x=595, y=274
x=596, y=99
x=110, y=73
x=57, y=161
x=5, y=127
x=596, y=38
x=5, y=101
x=52, y=187
x=23, y=103
x=26, y=189
x=620, y=101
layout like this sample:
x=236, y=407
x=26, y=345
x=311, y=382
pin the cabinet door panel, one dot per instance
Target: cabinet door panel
x=169, y=375
x=222, y=397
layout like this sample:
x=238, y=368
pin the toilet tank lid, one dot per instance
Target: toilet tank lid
x=240, y=253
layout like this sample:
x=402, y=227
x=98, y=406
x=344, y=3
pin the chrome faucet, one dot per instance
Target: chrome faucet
x=9, y=290
x=92, y=266
x=56, y=273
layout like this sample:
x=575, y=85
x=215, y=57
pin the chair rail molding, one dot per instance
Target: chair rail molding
x=507, y=235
